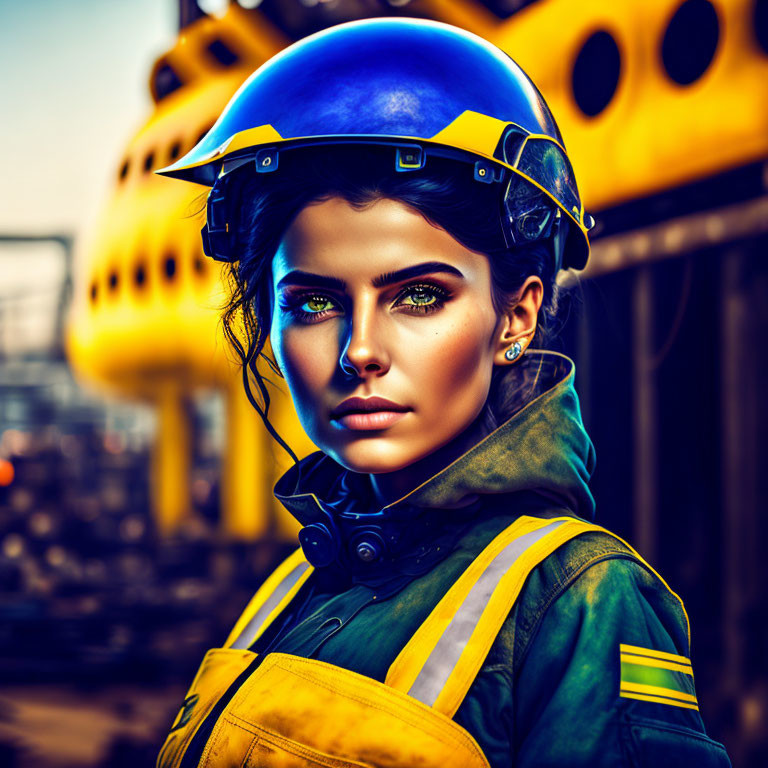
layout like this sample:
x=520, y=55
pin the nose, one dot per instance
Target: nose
x=364, y=353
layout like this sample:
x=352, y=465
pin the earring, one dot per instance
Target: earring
x=513, y=352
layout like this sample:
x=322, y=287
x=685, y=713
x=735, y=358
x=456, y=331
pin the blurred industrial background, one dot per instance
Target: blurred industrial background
x=136, y=514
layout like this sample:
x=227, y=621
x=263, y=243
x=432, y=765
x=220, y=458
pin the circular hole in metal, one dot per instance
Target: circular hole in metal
x=175, y=150
x=690, y=41
x=222, y=54
x=760, y=21
x=169, y=267
x=94, y=293
x=165, y=81
x=124, y=168
x=113, y=281
x=140, y=275
x=149, y=161
x=596, y=73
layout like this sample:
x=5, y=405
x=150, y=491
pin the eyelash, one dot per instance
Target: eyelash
x=441, y=295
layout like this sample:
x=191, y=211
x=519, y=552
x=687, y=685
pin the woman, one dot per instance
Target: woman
x=395, y=201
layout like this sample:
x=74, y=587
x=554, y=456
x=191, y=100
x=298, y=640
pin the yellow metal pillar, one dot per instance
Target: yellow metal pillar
x=246, y=473
x=171, y=456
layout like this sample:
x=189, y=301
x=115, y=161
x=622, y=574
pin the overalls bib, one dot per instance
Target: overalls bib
x=295, y=712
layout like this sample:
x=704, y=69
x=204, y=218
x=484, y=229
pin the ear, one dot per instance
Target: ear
x=518, y=320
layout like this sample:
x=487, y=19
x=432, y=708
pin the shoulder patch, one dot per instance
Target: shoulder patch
x=657, y=676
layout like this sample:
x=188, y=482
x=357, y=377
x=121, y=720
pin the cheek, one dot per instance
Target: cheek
x=452, y=366
x=307, y=359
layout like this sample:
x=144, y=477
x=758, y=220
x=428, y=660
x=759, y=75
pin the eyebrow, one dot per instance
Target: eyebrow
x=299, y=277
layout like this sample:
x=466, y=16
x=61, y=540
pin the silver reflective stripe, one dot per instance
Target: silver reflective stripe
x=245, y=638
x=445, y=655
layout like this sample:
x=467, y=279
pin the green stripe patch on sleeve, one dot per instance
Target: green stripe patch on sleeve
x=656, y=676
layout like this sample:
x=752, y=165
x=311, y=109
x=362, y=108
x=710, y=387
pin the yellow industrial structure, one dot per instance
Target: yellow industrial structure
x=636, y=118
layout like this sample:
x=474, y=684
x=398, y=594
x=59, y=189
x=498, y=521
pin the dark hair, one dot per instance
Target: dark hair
x=263, y=206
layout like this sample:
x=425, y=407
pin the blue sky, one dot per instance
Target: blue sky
x=73, y=89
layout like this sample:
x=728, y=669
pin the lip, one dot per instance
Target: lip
x=359, y=413
x=366, y=405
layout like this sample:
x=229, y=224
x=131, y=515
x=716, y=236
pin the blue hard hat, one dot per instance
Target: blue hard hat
x=424, y=87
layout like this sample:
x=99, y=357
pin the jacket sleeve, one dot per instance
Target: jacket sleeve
x=605, y=679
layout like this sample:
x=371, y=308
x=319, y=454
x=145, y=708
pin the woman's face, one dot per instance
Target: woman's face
x=380, y=303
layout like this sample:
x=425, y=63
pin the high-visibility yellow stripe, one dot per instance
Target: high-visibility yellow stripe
x=263, y=593
x=455, y=641
x=647, y=661
x=638, y=651
x=658, y=700
x=405, y=668
x=496, y=611
x=278, y=609
x=655, y=690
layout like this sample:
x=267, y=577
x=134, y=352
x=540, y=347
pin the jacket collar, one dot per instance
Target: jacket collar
x=536, y=442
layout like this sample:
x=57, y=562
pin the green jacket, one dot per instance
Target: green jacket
x=549, y=691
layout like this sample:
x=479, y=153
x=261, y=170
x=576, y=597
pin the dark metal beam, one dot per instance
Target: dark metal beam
x=644, y=417
x=675, y=237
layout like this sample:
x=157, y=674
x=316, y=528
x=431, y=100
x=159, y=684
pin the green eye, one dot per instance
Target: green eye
x=316, y=304
x=420, y=298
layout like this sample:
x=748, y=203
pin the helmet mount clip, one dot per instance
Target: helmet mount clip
x=266, y=160
x=409, y=158
x=488, y=173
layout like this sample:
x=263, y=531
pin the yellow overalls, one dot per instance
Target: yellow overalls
x=292, y=711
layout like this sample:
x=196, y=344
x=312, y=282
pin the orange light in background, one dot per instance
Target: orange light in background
x=6, y=472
